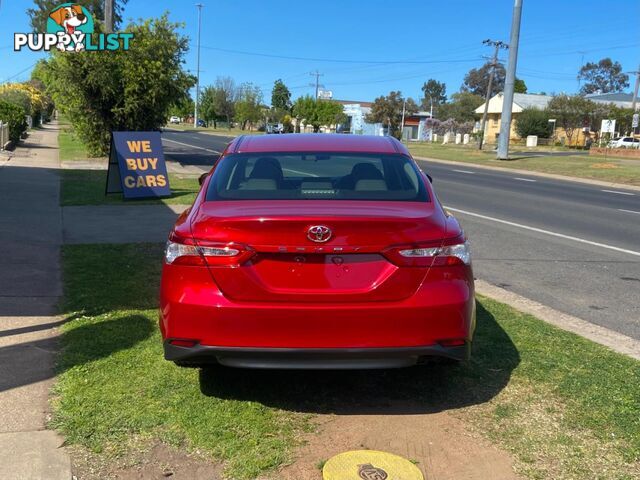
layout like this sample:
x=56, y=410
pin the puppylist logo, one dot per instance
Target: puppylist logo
x=69, y=28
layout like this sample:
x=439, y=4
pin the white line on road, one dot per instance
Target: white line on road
x=524, y=179
x=547, y=232
x=628, y=211
x=619, y=193
x=464, y=171
x=192, y=146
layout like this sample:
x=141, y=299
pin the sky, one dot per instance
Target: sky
x=365, y=49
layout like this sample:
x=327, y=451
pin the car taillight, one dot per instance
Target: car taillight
x=453, y=251
x=186, y=251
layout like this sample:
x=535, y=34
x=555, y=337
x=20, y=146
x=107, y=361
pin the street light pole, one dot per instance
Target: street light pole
x=195, y=115
x=509, y=83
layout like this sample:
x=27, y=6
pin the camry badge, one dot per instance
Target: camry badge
x=319, y=233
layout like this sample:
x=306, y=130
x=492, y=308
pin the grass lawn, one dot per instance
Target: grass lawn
x=609, y=169
x=565, y=407
x=71, y=148
x=86, y=187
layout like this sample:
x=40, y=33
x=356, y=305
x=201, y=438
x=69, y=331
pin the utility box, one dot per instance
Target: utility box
x=532, y=141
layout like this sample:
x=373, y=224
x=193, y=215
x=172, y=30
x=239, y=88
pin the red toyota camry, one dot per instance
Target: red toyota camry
x=316, y=251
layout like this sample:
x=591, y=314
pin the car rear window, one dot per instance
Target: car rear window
x=316, y=176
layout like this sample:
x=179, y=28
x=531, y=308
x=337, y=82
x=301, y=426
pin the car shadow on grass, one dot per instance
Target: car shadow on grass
x=89, y=340
x=434, y=387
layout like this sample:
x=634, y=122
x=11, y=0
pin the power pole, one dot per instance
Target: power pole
x=509, y=83
x=494, y=62
x=108, y=15
x=404, y=109
x=316, y=74
x=195, y=114
x=634, y=99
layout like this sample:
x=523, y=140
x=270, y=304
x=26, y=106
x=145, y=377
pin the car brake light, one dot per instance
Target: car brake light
x=186, y=251
x=453, y=251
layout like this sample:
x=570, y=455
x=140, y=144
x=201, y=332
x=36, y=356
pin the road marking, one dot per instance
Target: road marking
x=464, y=171
x=192, y=146
x=524, y=179
x=546, y=232
x=628, y=211
x=619, y=193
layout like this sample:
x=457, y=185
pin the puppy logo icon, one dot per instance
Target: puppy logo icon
x=70, y=28
x=69, y=19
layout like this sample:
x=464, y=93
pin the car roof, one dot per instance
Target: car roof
x=316, y=142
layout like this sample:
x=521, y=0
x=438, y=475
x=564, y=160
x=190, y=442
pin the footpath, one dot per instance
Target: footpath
x=30, y=288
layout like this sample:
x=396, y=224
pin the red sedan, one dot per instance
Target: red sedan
x=316, y=251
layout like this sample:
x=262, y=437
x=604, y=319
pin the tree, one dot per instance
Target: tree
x=40, y=13
x=477, y=80
x=317, y=112
x=461, y=108
x=122, y=90
x=183, y=107
x=519, y=86
x=434, y=92
x=248, y=105
x=281, y=97
x=388, y=111
x=605, y=76
x=570, y=112
x=226, y=94
x=533, y=121
x=208, y=105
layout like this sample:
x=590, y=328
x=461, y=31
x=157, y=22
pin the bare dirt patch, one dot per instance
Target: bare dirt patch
x=439, y=444
x=157, y=461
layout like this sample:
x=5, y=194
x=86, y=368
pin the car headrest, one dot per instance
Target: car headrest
x=267, y=168
x=366, y=171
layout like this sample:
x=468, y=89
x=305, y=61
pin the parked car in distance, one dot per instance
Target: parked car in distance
x=316, y=251
x=174, y=119
x=274, y=128
x=625, y=142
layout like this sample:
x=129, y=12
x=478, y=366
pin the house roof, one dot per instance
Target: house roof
x=611, y=97
x=531, y=100
x=520, y=102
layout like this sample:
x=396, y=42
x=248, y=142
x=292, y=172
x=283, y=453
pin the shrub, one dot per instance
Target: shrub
x=532, y=121
x=14, y=115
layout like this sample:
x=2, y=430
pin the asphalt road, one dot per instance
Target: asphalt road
x=574, y=247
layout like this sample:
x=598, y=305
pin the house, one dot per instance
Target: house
x=415, y=127
x=494, y=113
x=530, y=100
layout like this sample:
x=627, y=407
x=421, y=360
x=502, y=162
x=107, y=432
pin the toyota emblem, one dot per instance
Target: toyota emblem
x=319, y=233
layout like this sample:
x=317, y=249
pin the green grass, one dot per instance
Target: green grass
x=609, y=169
x=565, y=407
x=86, y=187
x=71, y=148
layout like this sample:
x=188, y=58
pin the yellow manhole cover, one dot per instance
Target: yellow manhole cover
x=370, y=465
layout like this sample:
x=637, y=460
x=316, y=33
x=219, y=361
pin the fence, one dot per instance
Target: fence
x=4, y=134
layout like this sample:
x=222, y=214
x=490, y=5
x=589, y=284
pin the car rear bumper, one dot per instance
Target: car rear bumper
x=437, y=320
x=313, y=358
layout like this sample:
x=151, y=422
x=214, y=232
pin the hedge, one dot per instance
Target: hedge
x=15, y=116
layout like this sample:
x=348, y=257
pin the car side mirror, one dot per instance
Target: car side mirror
x=202, y=178
x=429, y=177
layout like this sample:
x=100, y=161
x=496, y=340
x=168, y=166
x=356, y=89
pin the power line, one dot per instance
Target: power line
x=333, y=60
x=494, y=63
